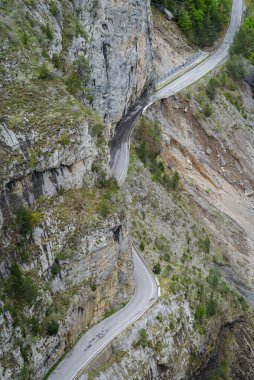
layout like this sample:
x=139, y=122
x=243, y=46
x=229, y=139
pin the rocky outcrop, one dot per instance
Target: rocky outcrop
x=76, y=259
x=94, y=278
x=120, y=53
x=116, y=39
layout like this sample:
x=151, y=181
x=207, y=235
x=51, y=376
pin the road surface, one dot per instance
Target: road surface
x=120, y=145
x=96, y=338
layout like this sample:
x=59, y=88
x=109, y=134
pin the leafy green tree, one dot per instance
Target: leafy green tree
x=235, y=68
x=200, y=20
x=149, y=136
x=184, y=20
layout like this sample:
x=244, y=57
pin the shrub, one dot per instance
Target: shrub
x=103, y=207
x=79, y=77
x=157, y=268
x=211, y=88
x=35, y=325
x=24, y=374
x=214, y=278
x=211, y=307
x=44, y=72
x=200, y=313
x=158, y=346
x=235, y=68
x=56, y=61
x=52, y=327
x=141, y=246
x=55, y=269
x=174, y=182
x=109, y=312
x=26, y=220
x=204, y=244
x=142, y=341
x=97, y=129
x=54, y=9
x=207, y=109
x=49, y=32
x=64, y=139
x=20, y=287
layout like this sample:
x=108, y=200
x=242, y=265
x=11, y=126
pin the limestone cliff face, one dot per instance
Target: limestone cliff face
x=93, y=278
x=60, y=62
x=126, y=62
x=119, y=50
x=47, y=139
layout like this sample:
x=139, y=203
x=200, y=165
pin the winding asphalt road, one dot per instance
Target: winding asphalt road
x=120, y=144
x=97, y=338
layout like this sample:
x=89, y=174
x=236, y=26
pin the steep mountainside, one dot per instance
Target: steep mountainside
x=65, y=256
x=69, y=71
x=196, y=234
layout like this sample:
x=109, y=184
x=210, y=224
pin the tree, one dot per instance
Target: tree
x=235, y=68
x=24, y=220
x=184, y=20
x=211, y=88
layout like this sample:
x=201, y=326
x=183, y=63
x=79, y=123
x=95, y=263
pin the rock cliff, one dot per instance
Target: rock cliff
x=69, y=70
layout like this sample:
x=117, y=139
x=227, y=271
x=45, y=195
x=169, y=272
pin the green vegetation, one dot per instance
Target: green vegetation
x=202, y=21
x=223, y=372
x=157, y=268
x=26, y=220
x=244, y=40
x=204, y=244
x=52, y=327
x=235, y=68
x=20, y=287
x=64, y=139
x=142, y=246
x=148, y=147
x=78, y=78
x=143, y=339
x=149, y=137
x=212, y=88
x=109, y=312
x=56, y=267
x=45, y=71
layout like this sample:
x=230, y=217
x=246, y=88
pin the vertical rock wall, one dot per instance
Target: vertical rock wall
x=120, y=52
